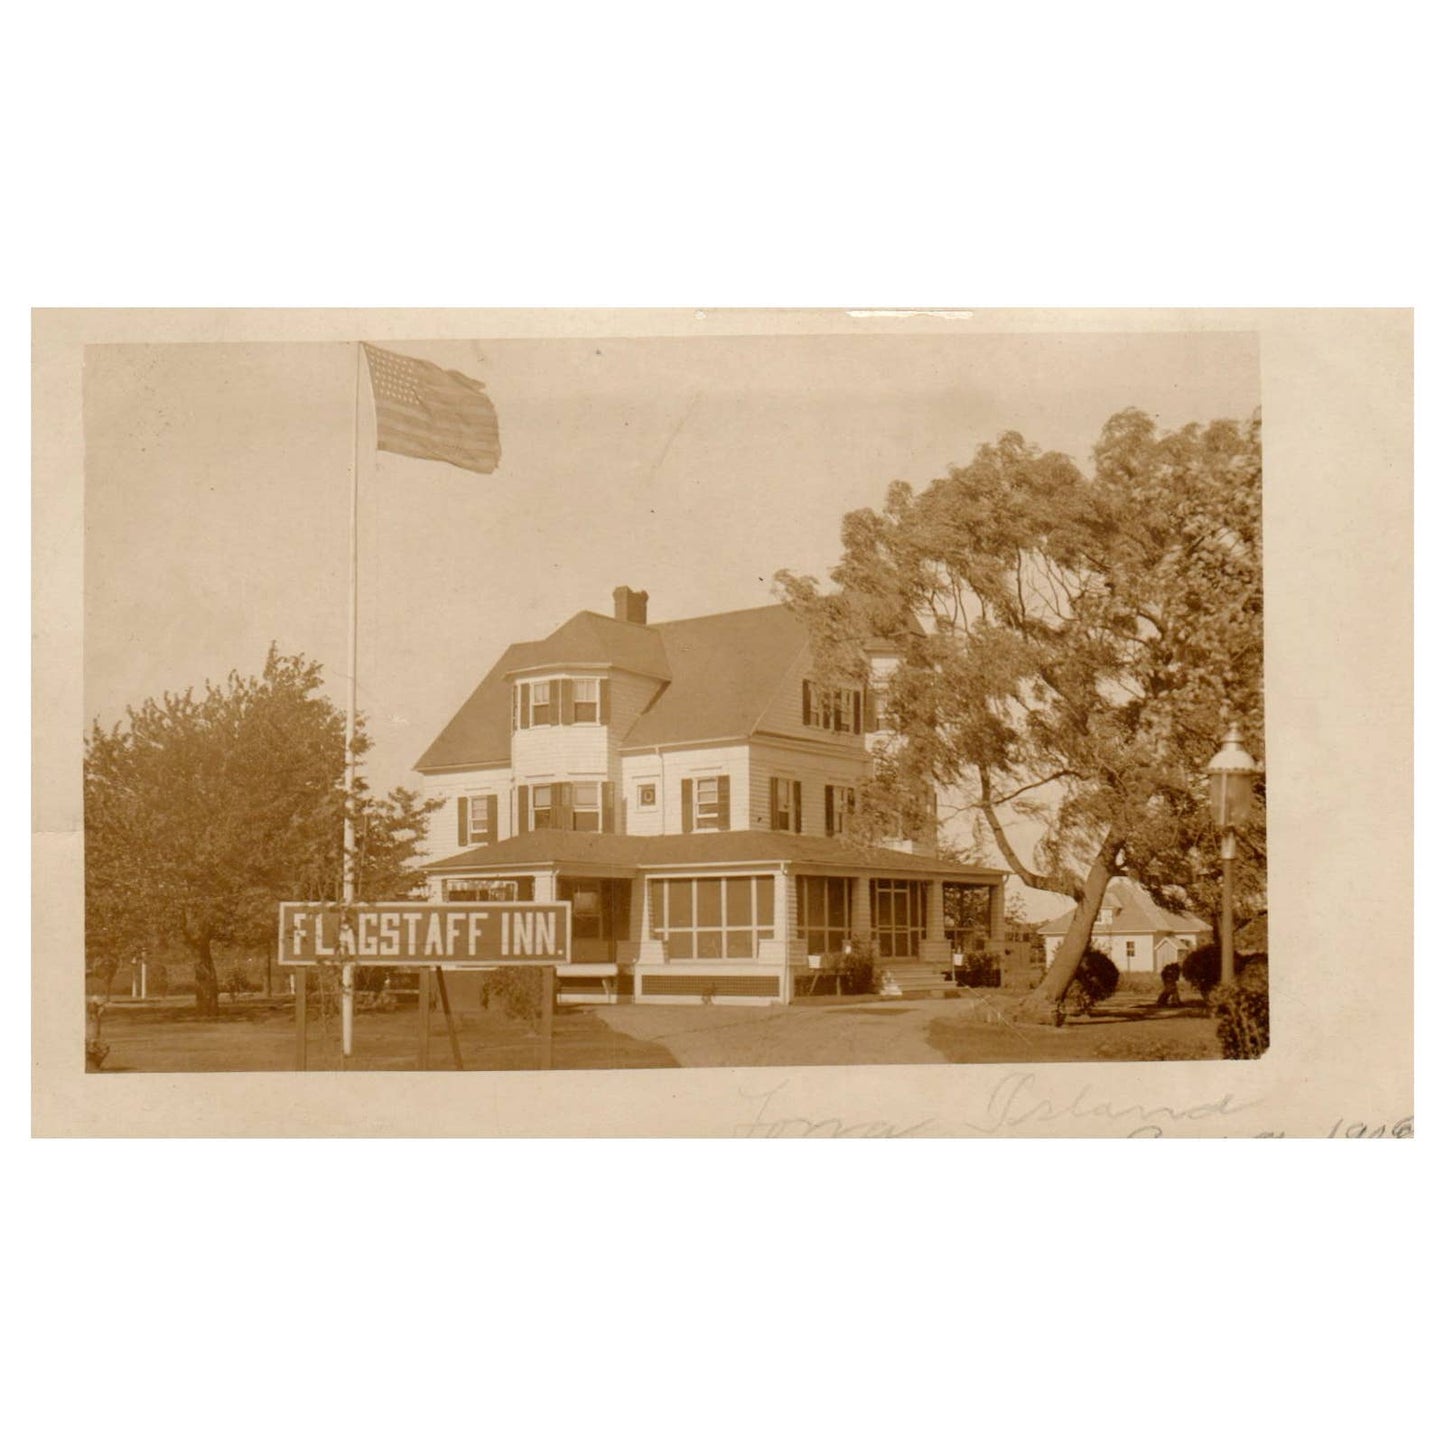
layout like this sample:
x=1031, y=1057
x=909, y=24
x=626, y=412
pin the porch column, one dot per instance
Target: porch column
x=935, y=940
x=544, y=888
x=649, y=949
x=860, y=924
x=996, y=926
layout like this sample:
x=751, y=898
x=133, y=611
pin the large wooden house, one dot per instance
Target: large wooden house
x=687, y=786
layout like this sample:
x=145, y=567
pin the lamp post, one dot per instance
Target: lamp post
x=1231, y=796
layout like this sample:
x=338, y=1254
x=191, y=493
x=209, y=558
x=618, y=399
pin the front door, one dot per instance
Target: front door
x=601, y=908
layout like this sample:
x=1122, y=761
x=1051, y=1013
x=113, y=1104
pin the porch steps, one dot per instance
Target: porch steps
x=918, y=980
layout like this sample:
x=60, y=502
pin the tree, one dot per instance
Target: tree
x=1070, y=646
x=203, y=813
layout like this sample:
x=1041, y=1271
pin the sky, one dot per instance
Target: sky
x=218, y=489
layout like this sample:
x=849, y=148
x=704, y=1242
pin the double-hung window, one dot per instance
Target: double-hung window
x=544, y=704
x=587, y=807
x=839, y=802
x=544, y=806
x=706, y=804
x=585, y=691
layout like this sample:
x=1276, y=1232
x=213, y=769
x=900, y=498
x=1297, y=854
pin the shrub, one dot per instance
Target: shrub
x=980, y=969
x=517, y=992
x=1242, y=1009
x=235, y=981
x=1096, y=980
x=1201, y=969
x=853, y=969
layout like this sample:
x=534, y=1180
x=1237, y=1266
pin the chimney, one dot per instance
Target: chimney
x=629, y=606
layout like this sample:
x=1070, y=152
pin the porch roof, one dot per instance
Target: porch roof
x=575, y=852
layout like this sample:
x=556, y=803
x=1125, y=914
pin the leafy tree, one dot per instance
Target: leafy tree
x=203, y=813
x=1070, y=646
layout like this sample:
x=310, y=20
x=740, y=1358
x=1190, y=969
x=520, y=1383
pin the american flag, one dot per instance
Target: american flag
x=425, y=411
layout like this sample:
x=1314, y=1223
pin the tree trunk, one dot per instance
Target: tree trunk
x=208, y=988
x=1042, y=1004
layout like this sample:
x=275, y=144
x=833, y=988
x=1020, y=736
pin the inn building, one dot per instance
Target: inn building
x=687, y=786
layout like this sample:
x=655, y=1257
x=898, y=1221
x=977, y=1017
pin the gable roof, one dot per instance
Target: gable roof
x=1134, y=912
x=549, y=847
x=719, y=674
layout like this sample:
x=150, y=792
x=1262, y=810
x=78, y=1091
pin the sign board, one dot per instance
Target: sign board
x=425, y=935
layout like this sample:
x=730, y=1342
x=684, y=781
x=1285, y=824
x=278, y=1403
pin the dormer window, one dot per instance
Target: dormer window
x=832, y=709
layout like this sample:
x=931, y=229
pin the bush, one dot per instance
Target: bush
x=235, y=981
x=853, y=969
x=1242, y=1009
x=517, y=992
x=979, y=969
x=1201, y=969
x=1095, y=981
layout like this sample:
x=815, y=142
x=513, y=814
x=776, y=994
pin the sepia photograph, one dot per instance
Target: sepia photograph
x=674, y=702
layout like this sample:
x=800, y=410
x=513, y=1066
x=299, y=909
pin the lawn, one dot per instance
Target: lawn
x=260, y=1035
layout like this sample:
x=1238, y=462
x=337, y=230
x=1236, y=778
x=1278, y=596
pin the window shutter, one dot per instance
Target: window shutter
x=829, y=811
x=607, y=812
x=566, y=702
x=797, y=807
x=775, y=821
x=562, y=808
x=687, y=805
x=857, y=712
x=524, y=812
x=807, y=703
x=525, y=889
x=622, y=908
x=724, y=802
x=524, y=704
x=464, y=832
x=870, y=710
x=603, y=701
x=491, y=817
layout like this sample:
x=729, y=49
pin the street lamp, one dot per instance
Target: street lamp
x=1231, y=796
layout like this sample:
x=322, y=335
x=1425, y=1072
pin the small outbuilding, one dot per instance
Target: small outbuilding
x=1139, y=935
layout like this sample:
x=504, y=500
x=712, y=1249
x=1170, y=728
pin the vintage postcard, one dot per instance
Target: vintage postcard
x=739, y=724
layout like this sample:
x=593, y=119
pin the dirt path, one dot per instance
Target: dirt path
x=909, y=1031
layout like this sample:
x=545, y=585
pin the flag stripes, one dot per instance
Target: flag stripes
x=425, y=411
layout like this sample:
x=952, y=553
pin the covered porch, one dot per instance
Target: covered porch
x=746, y=917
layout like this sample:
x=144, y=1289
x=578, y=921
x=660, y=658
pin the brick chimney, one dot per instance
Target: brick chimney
x=629, y=606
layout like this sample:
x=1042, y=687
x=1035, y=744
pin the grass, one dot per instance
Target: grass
x=259, y=1035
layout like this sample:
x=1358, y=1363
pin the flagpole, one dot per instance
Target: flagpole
x=348, y=837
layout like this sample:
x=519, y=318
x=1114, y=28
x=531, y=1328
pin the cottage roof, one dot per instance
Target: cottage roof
x=551, y=847
x=717, y=675
x=1134, y=912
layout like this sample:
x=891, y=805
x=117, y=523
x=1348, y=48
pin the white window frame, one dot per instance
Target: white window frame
x=579, y=702
x=842, y=792
x=712, y=821
x=477, y=803
x=552, y=704
x=593, y=809
x=550, y=809
x=784, y=822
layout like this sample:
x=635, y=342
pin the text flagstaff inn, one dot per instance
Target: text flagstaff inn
x=687, y=787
